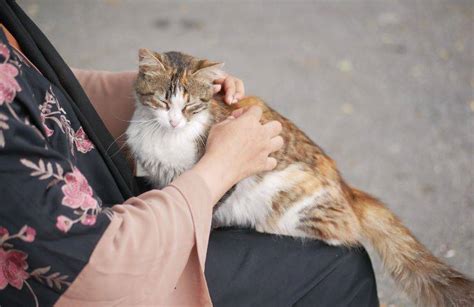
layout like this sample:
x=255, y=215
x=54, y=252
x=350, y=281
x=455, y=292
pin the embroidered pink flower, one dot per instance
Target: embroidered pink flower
x=13, y=264
x=49, y=132
x=8, y=84
x=13, y=267
x=29, y=234
x=63, y=223
x=77, y=191
x=82, y=142
x=4, y=232
x=88, y=220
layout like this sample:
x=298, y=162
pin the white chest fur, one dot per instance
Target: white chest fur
x=162, y=152
x=251, y=201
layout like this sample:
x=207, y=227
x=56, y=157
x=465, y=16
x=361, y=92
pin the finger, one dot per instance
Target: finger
x=239, y=89
x=253, y=111
x=238, y=112
x=217, y=88
x=226, y=120
x=270, y=164
x=229, y=89
x=276, y=143
x=219, y=81
x=273, y=128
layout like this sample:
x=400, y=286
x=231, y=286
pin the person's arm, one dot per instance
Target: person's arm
x=111, y=94
x=106, y=255
x=159, y=237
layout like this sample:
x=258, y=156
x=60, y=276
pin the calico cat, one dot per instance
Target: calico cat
x=305, y=196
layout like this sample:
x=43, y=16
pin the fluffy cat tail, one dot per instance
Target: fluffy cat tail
x=427, y=280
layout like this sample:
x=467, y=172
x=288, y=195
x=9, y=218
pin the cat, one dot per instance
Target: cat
x=304, y=196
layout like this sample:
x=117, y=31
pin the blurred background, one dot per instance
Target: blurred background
x=385, y=87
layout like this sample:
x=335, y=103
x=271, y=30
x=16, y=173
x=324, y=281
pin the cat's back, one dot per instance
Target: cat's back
x=297, y=148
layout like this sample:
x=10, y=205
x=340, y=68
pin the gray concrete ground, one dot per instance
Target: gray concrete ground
x=386, y=87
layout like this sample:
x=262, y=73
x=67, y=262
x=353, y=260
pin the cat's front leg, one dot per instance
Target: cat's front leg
x=160, y=175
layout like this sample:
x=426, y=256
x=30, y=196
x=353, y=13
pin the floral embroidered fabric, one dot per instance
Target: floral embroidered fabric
x=54, y=184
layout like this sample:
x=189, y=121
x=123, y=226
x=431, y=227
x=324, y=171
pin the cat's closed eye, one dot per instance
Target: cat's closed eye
x=155, y=102
x=164, y=103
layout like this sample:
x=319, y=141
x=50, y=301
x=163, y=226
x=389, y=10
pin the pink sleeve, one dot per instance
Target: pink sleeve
x=111, y=94
x=152, y=253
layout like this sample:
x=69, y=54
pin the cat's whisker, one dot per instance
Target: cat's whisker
x=123, y=134
x=120, y=149
x=114, y=142
x=134, y=121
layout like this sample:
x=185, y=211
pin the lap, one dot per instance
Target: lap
x=245, y=268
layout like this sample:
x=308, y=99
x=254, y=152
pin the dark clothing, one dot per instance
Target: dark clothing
x=44, y=56
x=246, y=268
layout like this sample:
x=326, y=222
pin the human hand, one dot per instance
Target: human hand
x=237, y=148
x=231, y=87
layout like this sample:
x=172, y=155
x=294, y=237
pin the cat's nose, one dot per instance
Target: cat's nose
x=174, y=123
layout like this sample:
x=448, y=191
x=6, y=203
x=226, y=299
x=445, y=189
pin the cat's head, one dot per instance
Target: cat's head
x=175, y=87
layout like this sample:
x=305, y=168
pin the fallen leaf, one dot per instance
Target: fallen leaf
x=386, y=39
x=345, y=65
x=459, y=45
x=443, y=54
x=347, y=108
x=417, y=71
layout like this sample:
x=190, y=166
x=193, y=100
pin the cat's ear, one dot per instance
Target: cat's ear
x=149, y=61
x=209, y=70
